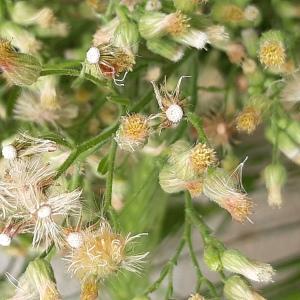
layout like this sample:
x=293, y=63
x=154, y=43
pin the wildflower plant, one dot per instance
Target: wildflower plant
x=123, y=123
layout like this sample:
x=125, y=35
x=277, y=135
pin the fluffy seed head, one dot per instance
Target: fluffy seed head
x=102, y=253
x=248, y=120
x=93, y=55
x=9, y=152
x=202, y=157
x=133, y=132
x=5, y=239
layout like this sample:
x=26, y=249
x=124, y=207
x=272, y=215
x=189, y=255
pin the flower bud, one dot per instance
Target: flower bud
x=166, y=48
x=235, y=262
x=153, y=5
x=291, y=91
x=186, y=6
x=252, y=14
x=126, y=36
x=192, y=38
x=250, y=40
x=224, y=189
x=19, y=68
x=236, y=288
x=133, y=132
x=275, y=177
x=37, y=282
x=272, y=52
x=248, y=120
x=226, y=12
x=155, y=24
x=212, y=255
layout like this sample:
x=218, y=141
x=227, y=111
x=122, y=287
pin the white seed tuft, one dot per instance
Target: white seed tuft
x=44, y=211
x=93, y=55
x=5, y=240
x=174, y=113
x=74, y=239
x=9, y=152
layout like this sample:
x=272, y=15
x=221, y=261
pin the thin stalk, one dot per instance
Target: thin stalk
x=197, y=123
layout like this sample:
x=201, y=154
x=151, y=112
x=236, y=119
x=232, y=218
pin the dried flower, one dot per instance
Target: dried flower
x=217, y=34
x=237, y=288
x=153, y=5
x=227, y=191
x=202, y=157
x=19, y=68
x=25, y=145
x=102, y=253
x=226, y=12
x=252, y=13
x=272, y=52
x=235, y=262
x=275, y=177
x=133, y=132
x=170, y=103
x=108, y=61
x=30, y=108
x=98, y=5
x=166, y=48
x=193, y=38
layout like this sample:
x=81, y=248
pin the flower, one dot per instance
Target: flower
x=108, y=61
x=291, y=91
x=236, y=288
x=202, y=157
x=193, y=38
x=133, y=132
x=156, y=24
x=166, y=48
x=227, y=191
x=170, y=103
x=248, y=119
x=275, y=177
x=18, y=68
x=272, y=52
x=101, y=254
x=235, y=262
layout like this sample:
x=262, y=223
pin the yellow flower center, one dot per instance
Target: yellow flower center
x=202, y=157
x=248, y=120
x=272, y=54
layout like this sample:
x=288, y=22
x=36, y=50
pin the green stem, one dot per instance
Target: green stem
x=109, y=179
x=85, y=146
x=196, y=121
x=194, y=87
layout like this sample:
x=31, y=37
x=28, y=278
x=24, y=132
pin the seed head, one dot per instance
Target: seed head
x=93, y=55
x=74, y=239
x=102, y=253
x=202, y=157
x=133, y=132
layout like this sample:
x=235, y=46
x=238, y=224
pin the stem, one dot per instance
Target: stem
x=194, y=88
x=85, y=146
x=196, y=121
x=109, y=180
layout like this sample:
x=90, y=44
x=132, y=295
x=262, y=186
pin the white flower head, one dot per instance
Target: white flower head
x=235, y=262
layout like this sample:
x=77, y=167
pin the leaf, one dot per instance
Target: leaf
x=103, y=165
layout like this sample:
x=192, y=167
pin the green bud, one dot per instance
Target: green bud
x=236, y=288
x=250, y=41
x=212, y=257
x=126, y=35
x=275, y=177
x=19, y=68
x=187, y=6
x=153, y=25
x=166, y=48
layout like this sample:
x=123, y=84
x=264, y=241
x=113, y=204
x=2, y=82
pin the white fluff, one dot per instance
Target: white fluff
x=9, y=152
x=93, y=55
